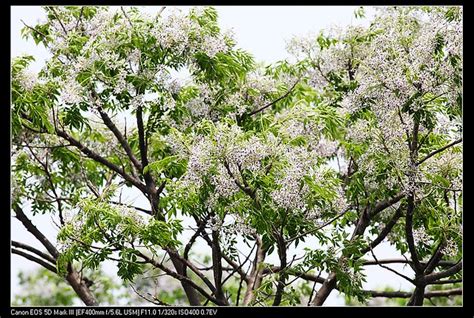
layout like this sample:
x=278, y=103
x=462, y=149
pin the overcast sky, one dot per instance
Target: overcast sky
x=263, y=31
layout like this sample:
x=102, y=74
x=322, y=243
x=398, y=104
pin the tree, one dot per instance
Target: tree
x=355, y=143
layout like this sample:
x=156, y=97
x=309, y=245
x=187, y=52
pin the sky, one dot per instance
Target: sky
x=261, y=30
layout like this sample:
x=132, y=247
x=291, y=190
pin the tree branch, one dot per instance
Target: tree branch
x=380, y=206
x=402, y=294
x=403, y=261
x=275, y=101
x=96, y=157
x=391, y=269
x=34, y=230
x=179, y=277
x=37, y=260
x=34, y=250
x=435, y=258
x=121, y=139
x=451, y=271
x=385, y=231
x=438, y=151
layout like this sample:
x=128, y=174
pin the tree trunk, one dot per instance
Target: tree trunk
x=330, y=282
x=417, y=297
x=323, y=293
x=189, y=290
x=80, y=287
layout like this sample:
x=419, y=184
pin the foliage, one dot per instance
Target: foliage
x=355, y=143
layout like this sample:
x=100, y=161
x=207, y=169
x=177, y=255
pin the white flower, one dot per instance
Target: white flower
x=211, y=45
x=72, y=92
x=27, y=79
x=451, y=248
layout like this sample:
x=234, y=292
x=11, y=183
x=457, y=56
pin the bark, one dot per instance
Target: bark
x=80, y=287
x=330, y=283
x=417, y=297
x=256, y=275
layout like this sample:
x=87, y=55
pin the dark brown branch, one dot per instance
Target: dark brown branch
x=409, y=235
x=245, y=189
x=37, y=260
x=385, y=231
x=380, y=206
x=154, y=301
x=451, y=271
x=402, y=294
x=438, y=151
x=446, y=281
x=281, y=248
x=435, y=258
x=238, y=269
x=96, y=157
x=317, y=228
x=79, y=18
x=121, y=139
x=179, y=277
x=80, y=286
x=276, y=100
x=141, y=137
x=34, y=250
x=33, y=29
x=132, y=206
x=59, y=20
x=50, y=181
x=391, y=269
x=217, y=267
x=255, y=278
x=126, y=16
x=34, y=230
x=403, y=261
x=374, y=293
x=187, y=263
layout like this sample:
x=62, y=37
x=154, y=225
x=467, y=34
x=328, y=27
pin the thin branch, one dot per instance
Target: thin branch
x=403, y=261
x=154, y=301
x=179, y=277
x=132, y=206
x=438, y=151
x=317, y=228
x=37, y=260
x=435, y=258
x=161, y=10
x=446, y=281
x=276, y=100
x=121, y=139
x=34, y=250
x=451, y=271
x=79, y=18
x=34, y=230
x=126, y=16
x=380, y=206
x=193, y=268
x=391, y=269
x=59, y=20
x=50, y=180
x=236, y=269
x=402, y=294
x=33, y=29
x=385, y=231
x=96, y=157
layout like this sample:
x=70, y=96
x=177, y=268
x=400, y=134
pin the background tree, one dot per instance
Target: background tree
x=355, y=143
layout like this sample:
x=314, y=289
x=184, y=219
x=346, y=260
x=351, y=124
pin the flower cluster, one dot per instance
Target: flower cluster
x=451, y=248
x=421, y=237
x=72, y=92
x=292, y=191
x=27, y=79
